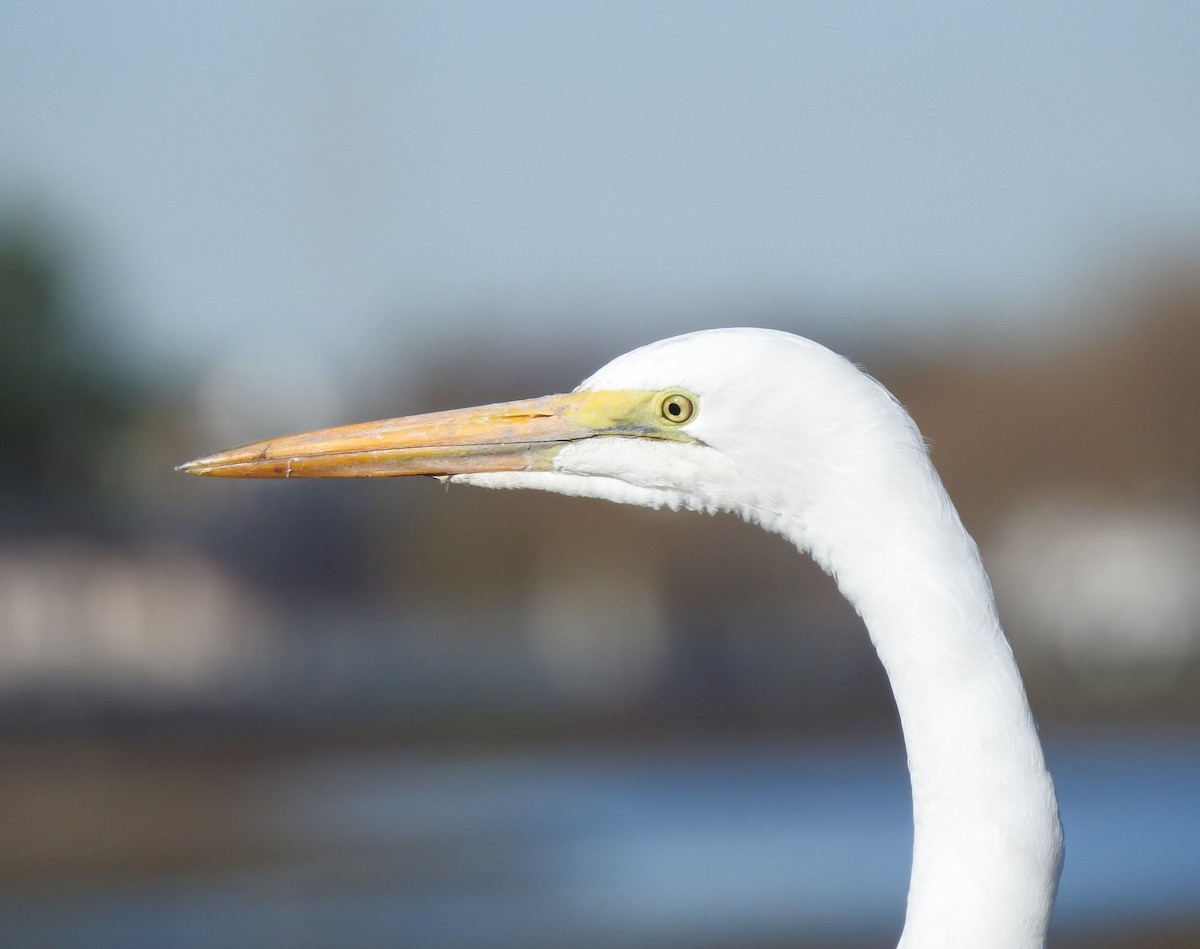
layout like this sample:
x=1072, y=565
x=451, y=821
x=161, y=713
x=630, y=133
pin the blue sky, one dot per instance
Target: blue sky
x=345, y=176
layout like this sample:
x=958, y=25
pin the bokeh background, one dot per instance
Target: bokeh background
x=388, y=714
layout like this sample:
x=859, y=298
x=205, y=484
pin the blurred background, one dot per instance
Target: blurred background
x=386, y=713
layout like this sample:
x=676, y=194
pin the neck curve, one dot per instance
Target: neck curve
x=987, y=845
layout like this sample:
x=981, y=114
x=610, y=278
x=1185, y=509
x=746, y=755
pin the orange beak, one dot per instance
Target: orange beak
x=508, y=436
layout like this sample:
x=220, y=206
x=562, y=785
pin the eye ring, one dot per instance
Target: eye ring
x=677, y=408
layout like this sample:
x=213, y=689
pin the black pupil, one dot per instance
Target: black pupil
x=674, y=408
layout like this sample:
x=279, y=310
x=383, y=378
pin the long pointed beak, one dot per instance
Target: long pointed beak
x=508, y=436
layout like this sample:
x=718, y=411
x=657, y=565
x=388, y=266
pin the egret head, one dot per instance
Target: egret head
x=715, y=420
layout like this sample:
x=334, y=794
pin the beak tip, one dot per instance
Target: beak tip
x=197, y=467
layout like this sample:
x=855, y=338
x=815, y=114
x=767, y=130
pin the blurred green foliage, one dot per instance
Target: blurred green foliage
x=63, y=403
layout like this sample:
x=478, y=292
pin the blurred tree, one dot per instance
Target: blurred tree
x=62, y=403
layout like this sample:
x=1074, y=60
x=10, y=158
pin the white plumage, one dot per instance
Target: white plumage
x=784, y=433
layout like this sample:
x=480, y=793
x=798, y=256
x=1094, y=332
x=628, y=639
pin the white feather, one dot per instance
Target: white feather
x=796, y=439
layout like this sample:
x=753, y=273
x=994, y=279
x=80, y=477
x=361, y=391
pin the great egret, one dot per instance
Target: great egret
x=788, y=435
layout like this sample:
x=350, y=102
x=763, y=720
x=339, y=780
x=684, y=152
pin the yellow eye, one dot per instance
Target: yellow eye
x=677, y=408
